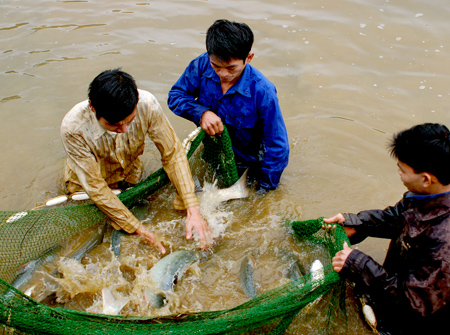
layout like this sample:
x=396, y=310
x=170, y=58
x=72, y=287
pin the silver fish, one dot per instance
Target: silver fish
x=166, y=272
x=246, y=275
x=47, y=262
x=317, y=273
x=94, y=239
x=48, y=256
x=317, y=278
x=116, y=240
x=140, y=211
x=296, y=269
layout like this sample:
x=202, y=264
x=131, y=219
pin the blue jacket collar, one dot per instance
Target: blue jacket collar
x=422, y=197
x=242, y=86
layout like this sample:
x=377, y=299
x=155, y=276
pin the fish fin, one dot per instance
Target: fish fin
x=198, y=186
x=116, y=239
x=30, y=290
x=239, y=190
x=154, y=299
x=252, y=259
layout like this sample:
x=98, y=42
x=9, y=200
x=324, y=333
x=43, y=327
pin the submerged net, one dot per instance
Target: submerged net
x=25, y=235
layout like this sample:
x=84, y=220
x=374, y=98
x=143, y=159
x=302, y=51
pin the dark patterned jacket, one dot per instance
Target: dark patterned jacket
x=411, y=290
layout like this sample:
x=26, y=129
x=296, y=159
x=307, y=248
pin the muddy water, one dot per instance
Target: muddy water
x=348, y=74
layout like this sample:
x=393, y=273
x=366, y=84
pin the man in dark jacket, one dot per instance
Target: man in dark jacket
x=220, y=87
x=411, y=290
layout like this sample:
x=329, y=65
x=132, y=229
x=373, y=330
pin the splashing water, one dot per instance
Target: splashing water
x=210, y=206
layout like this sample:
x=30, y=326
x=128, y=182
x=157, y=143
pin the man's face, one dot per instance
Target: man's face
x=413, y=181
x=119, y=127
x=229, y=72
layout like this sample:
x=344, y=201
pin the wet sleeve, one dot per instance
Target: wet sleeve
x=363, y=270
x=424, y=288
x=381, y=223
x=173, y=158
x=82, y=161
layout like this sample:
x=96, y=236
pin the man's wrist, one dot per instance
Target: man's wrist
x=193, y=210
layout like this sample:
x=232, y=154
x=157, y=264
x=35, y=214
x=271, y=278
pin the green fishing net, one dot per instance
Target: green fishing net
x=25, y=235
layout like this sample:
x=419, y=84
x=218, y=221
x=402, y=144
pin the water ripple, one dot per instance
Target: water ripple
x=18, y=25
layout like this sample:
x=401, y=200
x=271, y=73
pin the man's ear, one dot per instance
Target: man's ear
x=428, y=179
x=249, y=57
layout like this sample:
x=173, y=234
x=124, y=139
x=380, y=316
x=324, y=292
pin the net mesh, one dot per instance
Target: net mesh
x=25, y=235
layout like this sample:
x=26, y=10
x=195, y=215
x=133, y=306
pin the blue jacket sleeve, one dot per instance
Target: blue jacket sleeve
x=275, y=140
x=182, y=96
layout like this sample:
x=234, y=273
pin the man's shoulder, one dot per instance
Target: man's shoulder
x=145, y=95
x=201, y=64
x=202, y=58
x=148, y=102
x=260, y=80
x=435, y=208
x=76, y=118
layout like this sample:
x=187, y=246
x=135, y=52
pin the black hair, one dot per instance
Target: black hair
x=425, y=148
x=226, y=40
x=114, y=95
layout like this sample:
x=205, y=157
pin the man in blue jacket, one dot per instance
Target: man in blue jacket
x=221, y=87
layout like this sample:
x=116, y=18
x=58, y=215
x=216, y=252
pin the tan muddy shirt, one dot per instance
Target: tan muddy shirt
x=98, y=159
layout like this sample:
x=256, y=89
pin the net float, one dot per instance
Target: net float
x=57, y=200
x=78, y=196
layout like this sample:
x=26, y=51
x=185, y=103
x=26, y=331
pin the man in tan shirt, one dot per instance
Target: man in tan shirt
x=104, y=137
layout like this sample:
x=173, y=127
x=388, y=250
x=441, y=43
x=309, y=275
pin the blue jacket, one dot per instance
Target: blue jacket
x=249, y=109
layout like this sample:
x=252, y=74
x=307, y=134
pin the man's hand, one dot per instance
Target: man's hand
x=339, y=219
x=195, y=221
x=150, y=237
x=340, y=258
x=211, y=123
x=331, y=226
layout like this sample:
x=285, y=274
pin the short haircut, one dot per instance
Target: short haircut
x=114, y=95
x=425, y=148
x=226, y=40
